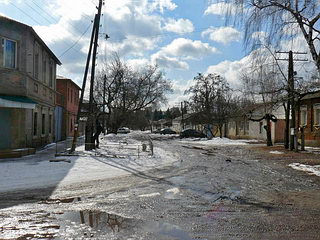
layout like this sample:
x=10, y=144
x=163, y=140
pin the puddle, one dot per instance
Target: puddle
x=102, y=225
x=60, y=200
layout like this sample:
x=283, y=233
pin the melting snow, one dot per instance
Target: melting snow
x=313, y=170
x=218, y=141
x=173, y=190
x=150, y=195
x=276, y=152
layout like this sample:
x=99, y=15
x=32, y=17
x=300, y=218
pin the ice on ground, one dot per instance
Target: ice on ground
x=276, y=152
x=218, y=141
x=118, y=156
x=173, y=190
x=313, y=170
x=150, y=195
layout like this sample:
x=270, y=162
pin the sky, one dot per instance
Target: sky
x=183, y=37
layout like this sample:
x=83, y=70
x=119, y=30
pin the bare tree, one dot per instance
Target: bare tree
x=210, y=98
x=265, y=86
x=281, y=19
x=124, y=90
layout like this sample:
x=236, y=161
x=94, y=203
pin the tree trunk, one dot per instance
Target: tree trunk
x=268, y=129
x=220, y=130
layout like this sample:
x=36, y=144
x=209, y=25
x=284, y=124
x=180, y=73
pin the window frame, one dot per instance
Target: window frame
x=3, y=43
x=316, y=117
x=303, y=109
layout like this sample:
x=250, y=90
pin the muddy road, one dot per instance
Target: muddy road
x=210, y=192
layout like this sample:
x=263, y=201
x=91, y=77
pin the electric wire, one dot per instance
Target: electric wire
x=76, y=42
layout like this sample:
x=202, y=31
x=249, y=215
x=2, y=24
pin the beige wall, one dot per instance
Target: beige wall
x=24, y=81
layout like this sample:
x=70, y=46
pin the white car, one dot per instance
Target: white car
x=123, y=130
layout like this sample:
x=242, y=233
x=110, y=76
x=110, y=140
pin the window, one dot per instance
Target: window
x=9, y=53
x=71, y=93
x=75, y=97
x=35, y=123
x=50, y=123
x=44, y=92
x=303, y=116
x=44, y=70
x=36, y=65
x=316, y=110
x=51, y=74
x=43, y=124
x=35, y=88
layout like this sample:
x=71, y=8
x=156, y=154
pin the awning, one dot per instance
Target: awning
x=10, y=101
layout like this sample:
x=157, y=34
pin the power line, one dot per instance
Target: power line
x=75, y=43
x=72, y=44
x=25, y=13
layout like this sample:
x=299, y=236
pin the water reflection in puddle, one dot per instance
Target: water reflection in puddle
x=106, y=224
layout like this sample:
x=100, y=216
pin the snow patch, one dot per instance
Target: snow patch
x=173, y=190
x=312, y=170
x=218, y=141
x=150, y=195
x=276, y=152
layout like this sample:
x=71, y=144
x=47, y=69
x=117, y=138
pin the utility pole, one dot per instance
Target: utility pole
x=104, y=103
x=76, y=126
x=291, y=103
x=182, y=121
x=90, y=127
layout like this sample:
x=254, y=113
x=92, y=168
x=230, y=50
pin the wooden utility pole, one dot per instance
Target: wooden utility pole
x=89, y=128
x=182, y=120
x=90, y=123
x=76, y=126
x=104, y=104
x=291, y=103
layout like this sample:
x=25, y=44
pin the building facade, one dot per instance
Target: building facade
x=69, y=100
x=27, y=87
x=308, y=118
x=241, y=127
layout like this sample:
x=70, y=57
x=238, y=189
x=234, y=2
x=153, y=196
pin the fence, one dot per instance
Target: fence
x=112, y=149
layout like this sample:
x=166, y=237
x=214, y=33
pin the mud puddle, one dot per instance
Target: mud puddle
x=99, y=224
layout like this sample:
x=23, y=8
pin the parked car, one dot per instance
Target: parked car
x=167, y=131
x=191, y=133
x=123, y=130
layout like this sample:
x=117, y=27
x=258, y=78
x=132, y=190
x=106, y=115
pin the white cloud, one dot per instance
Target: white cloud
x=162, y=5
x=174, y=54
x=221, y=9
x=231, y=70
x=188, y=48
x=223, y=35
x=138, y=63
x=179, y=26
x=164, y=61
x=136, y=46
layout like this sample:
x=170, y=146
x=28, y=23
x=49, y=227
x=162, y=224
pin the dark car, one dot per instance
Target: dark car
x=167, y=131
x=191, y=133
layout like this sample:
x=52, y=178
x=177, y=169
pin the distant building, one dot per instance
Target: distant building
x=27, y=87
x=309, y=118
x=67, y=107
x=241, y=127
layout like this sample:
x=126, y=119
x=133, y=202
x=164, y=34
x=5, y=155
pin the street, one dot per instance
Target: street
x=236, y=191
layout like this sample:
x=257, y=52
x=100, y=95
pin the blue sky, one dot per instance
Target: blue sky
x=183, y=37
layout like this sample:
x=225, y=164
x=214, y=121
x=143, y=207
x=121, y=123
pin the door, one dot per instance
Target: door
x=5, y=133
